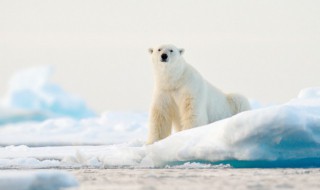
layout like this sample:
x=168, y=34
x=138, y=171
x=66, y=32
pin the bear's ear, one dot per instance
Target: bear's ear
x=150, y=50
x=181, y=51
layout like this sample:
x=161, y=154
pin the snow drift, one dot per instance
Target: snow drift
x=109, y=128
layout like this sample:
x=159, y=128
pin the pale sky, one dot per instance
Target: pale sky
x=267, y=50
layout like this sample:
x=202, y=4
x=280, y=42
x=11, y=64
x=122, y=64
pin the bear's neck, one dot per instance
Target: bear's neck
x=170, y=77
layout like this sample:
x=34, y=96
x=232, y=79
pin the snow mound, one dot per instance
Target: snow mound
x=274, y=134
x=32, y=92
x=44, y=180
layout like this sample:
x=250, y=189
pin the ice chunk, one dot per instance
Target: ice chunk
x=44, y=180
x=312, y=92
x=14, y=115
x=32, y=92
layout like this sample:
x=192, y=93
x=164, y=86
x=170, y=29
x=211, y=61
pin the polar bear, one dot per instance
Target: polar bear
x=182, y=98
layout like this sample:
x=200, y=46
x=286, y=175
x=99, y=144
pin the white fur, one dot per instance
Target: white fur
x=182, y=99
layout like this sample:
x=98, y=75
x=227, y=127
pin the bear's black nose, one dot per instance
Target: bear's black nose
x=164, y=56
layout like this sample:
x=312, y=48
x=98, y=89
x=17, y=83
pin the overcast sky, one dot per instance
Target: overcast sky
x=267, y=50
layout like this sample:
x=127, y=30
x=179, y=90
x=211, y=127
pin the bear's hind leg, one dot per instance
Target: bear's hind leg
x=238, y=103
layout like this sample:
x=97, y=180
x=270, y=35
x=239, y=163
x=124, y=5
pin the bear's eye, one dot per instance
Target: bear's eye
x=171, y=50
x=159, y=49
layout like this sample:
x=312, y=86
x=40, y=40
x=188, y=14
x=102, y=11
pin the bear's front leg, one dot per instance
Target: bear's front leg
x=187, y=110
x=160, y=122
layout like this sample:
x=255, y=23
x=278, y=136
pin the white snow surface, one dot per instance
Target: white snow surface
x=285, y=135
x=109, y=128
x=36, y=180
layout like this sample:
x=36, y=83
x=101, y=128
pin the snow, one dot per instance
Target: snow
x=285, y=135
x=196, y=165
x=109, y=128
x=44, y=180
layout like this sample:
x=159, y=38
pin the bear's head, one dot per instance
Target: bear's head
x=166, y=54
